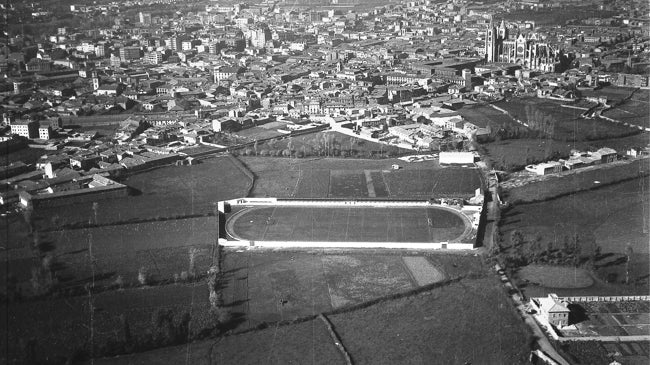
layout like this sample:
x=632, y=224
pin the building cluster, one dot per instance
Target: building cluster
x=394, y=74
x=578, y=159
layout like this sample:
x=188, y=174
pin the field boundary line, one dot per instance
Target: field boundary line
x=353, y=307
x=337, y=341
x=300, y=177
x=408, y=272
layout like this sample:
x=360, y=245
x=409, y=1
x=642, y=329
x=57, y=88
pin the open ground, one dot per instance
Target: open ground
x=162, y=248
x=258, y=287
x=602, y=353
x=442, y=325
x=344, y=178
x=635, y=110
x=570, y=126
x=611, y=218
x=484, y=116
x=169, y=191
x=355, y=224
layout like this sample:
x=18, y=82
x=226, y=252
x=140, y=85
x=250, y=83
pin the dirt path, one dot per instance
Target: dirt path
x=422, y=271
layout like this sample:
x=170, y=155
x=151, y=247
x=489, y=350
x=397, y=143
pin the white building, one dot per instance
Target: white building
x=456, y=157
x=44, y=132
x=545, y=168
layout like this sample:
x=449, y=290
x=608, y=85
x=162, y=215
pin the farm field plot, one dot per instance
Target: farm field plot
x=266, y=287
x=164, y=192
x=302, y=343
x=378, y=184
x=370, y=334
x=356, y=279
x=483, y=116
x=346, y=224
x=62, y=326
x=313, y=184
x=257, y=287
x=635, y=111
x=430, y=328
x=513, y=154
x=613, y=94
x=258, y=133
x=599, y=353
x=161, y=248
x=605, y=216
x=347, y=184
x=430, y=183
x=612, y=319
x=293, y=177
x=609, y=217
x=341, y=184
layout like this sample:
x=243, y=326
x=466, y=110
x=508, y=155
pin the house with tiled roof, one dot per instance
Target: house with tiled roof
x=554, y=310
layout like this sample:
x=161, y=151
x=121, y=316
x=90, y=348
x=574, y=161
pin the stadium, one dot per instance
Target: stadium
x=271, y=222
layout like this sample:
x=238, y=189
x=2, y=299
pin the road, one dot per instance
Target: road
x=492, y=216
x=542, y=341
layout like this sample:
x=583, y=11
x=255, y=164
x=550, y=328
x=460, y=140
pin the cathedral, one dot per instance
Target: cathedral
x=523, y=50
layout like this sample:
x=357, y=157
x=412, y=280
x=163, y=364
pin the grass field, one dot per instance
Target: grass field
x=511, y=155
x=258, y=287
x=328, y=143
x=602, y=353
x=484, y=116
x=164, y=192
x=570, y=126
x=635, y=111
x=303, y=343
x=429, y=183
x=609, y=217
x=63, y=325
x=162, y=248
x=556, y=276
x=422, y=328
x=347, y=224
x=352, y=178
x=613, y=94
x=552, y=186
x=446, y=325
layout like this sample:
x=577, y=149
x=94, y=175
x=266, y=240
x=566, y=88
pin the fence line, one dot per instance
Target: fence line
x=608, y=298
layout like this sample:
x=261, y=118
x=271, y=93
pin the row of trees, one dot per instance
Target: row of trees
x=322, y=145
x=539, y=121
x=524, y=250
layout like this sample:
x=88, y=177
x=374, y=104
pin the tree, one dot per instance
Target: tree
x=192, y=258
x=95, y=210
x=516, y=238
x=628, y=255
x=549, y=248
x=597, y=253
x=143, y=276
x=495, y=249
x=255, y=147
x=566, y=245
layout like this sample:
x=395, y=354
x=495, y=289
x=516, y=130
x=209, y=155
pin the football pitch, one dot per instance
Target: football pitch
x=346, y=224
